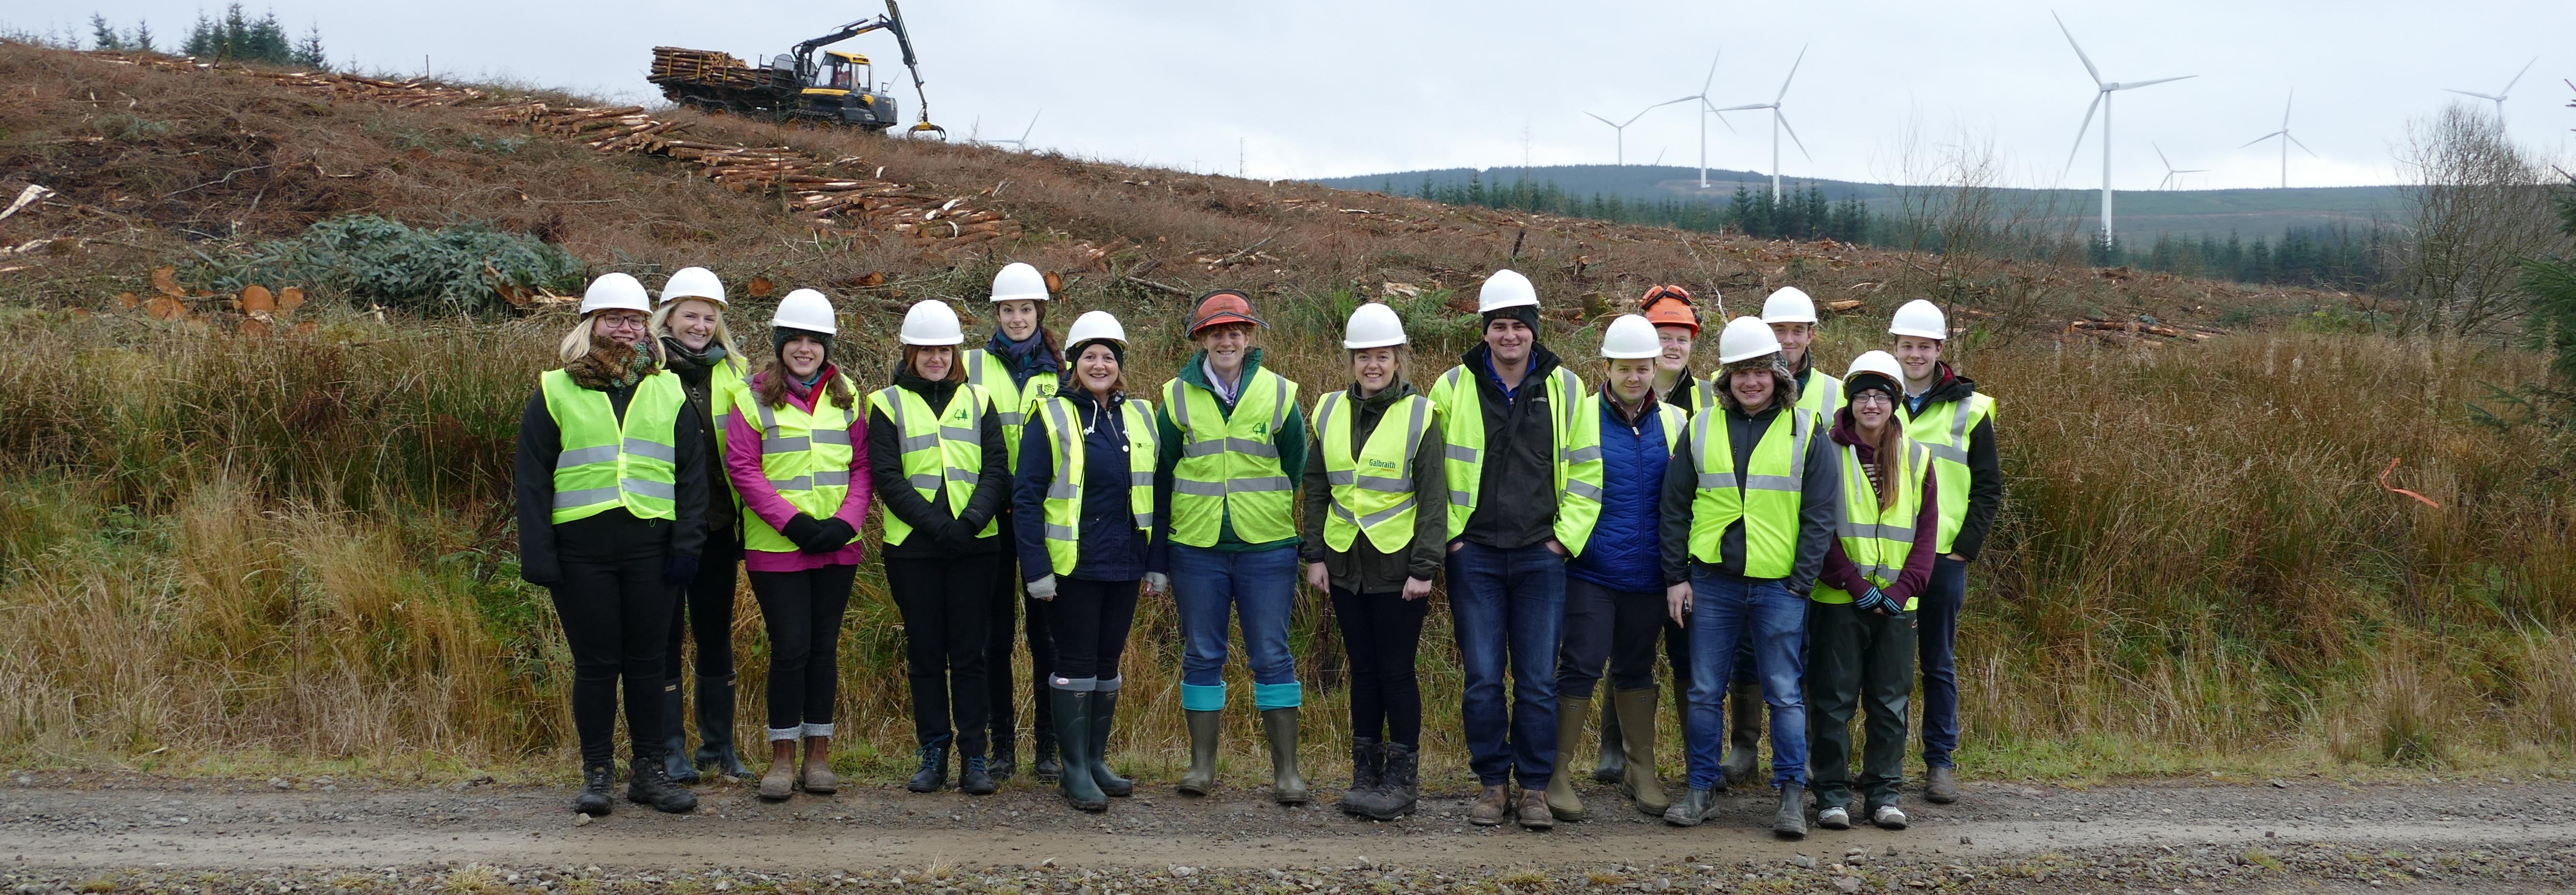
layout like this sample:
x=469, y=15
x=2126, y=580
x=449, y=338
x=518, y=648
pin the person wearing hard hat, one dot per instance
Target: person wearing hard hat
x=612, y=502
x=1018, y=366
x=1376, y=513
x=796, y=448
x=1614, y=592
x=700, y=348
x=1083, y=510
x=1944, y=411
x=1745, y=527
x=1676, y=320
x=941, y=475
x=1524, y=476
x=1860, y=630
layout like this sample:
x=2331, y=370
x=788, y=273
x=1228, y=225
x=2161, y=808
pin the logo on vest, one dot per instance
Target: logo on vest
x=1383, y=464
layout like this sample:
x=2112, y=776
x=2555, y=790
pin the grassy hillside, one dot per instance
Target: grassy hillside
x=221, y=550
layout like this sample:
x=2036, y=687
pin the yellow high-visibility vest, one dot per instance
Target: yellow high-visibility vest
x=607, y=463
x=1373, y=490
x=1063, y=502
x=1766, y=496
x=1943, y=428
x=1229, y=469
x=1577, y=467
x=986, y=370
x=1878, y=542
x=806, y=456
x=943, y=450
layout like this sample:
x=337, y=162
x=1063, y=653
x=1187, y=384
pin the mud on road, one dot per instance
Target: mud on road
x=62, y=832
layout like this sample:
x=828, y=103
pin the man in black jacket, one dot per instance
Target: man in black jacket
x=1943, y=411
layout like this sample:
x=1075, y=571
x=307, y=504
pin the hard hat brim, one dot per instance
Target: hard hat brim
x=1357, y=344
x=668, y=298
x=931, y=341
x=1790, y=318
x=1221, y=318
x=1630, y=355
x=1917, y=333
x=1018, y=296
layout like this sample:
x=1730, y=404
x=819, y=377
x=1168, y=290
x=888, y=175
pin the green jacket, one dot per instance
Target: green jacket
x=1290, y=439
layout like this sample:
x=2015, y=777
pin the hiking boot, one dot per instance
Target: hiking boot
x=1073, y=720
x=1368, y=770
x=933, y=772
x=647, y=784
x=1489, y=807
x=779, y=781
x=1533, y=812
x=1201, y=777
x=1941, y=785
x=596, y=780
x=1743, y=734
x=1562, y=801
x=1834, y=817
x=1694, y=807
x=818, y=779
x=1790, y=822
x=1005, y=758
x=1399, y=786
x=675, y=742
x=1887, y=817
x=1636, y=718
x=1046, y=760
x=715, y=727
x=1104, y=711
x=977, y=777
x=1613, y=767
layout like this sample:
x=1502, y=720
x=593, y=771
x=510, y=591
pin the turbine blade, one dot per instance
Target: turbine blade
x=2160, y=155
x=2263, y=138
x=1033, y=125
x=2303, y=147
x=1708, y=108
x=1744, y=108
x=2082, y=128
x=1712, y=74
x=1793, y=74
x=2133, y=85
x=2517, y=79
x=1793, y=133
x=2285, y=111
x=1605, y=121
x=2475, y=94
x=2168, y=181
x=2079, y=49
x=2191, y=170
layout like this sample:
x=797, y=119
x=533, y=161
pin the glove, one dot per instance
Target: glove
x=1042, y=589
x=955, y=536
x=541, y=575
x=833, y=534
x=680, y=569
x=801, y=529
x=1158, y=583
x=1873, y=601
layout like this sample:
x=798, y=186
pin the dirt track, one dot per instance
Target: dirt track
x=2489, y=834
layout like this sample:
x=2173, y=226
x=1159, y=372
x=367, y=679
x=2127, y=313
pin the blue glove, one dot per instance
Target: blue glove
x=1873, y=601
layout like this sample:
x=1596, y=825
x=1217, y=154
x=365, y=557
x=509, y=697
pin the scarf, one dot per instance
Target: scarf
x=684, y=360
x=1024, y=358
x=611, y=366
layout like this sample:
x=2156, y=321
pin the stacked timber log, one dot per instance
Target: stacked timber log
x=707, y=67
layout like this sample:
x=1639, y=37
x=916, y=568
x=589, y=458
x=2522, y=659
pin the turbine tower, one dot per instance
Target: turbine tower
x=2286, y=140
x=2102, y=103
x=1706, y=109
x=2173, y=175
x=2498, y=96
x=1621, y=127
x=1779, y=122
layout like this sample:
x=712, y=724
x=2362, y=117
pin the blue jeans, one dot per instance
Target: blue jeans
x=1508, y=605
x=1727, y=611
x=1937, y=614
x=1209, y=589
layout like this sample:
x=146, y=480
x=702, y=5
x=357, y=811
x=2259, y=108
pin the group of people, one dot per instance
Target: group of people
x=1789, y=536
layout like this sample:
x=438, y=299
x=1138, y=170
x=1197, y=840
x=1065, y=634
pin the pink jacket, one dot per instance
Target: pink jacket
x=742, y=465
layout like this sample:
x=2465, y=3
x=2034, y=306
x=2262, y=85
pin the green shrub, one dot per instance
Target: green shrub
x=463, y=269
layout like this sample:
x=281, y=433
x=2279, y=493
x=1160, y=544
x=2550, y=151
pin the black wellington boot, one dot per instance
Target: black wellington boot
x=675, y=743
x=716, y=751
x=1073, y=720
x=1104, y=709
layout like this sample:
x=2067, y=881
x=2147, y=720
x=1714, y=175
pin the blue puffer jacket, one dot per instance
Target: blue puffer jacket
x=1625, y=553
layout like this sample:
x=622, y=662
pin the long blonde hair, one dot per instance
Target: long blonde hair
x=577, y=345
x=659, y=326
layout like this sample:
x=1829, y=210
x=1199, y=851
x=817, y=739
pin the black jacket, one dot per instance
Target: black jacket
x=543, y=544
x=724, y=514
x=1985, y=466
x=1111, y=549
x=1820, y=497
x=932, y=537
x=1363, y=569
x=1516, y=493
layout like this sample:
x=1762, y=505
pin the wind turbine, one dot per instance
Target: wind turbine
x=2101, y=102
x=1621, y=127
x=2286, y=140
x=1706, y=109
x=2499, y=95
x=1023, y=141
x=1779, y=122
x=2173, y=174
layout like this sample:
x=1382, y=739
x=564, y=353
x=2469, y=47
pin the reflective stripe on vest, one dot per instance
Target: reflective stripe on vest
x=1578, y=458
x=1062, y=505
x=943, y=451
x=1943, y=429
x=607, y=463
x=1012, y=404
x=1229, y=468
x=805, y=456
x=1765, y=498
x=1822, y=396
x=1372, y=491
x=1878, y=542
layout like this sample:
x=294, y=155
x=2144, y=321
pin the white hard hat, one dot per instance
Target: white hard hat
x=693, y=282
x=1095, y=325
x=930, y=322
x=1629, y=337
x=807, y=310
x=615, y=291
x=1745, y=338
x=1878, y=363
x=1789, y=304
x=1372, y=325
x=1920, y=318
x=1019, y=282
x=1506, y=289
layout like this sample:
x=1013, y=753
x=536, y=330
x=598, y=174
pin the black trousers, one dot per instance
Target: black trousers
x=1381, y=633
x=1091, y=619
x=803, y=613
x=616, y=613
x=1613, y=626
x=706, y=615
x=1009, y=602
x=1861, y=659
x=947, y=616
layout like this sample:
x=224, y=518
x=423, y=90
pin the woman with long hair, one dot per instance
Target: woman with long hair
x=698, y=346
x=1018, y=366
x=612, y=503
x=796, y=448
x=935, y=454
x=1082, y=505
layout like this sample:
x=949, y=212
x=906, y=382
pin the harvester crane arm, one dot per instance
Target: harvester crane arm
x=891, y=21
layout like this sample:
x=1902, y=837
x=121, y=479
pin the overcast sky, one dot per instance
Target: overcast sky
x=1329, y=87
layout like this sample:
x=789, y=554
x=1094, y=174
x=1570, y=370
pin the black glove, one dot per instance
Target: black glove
x=540, y=574
x=801, y=530
x=956, y=537
x=680, y=569
x=833, y=534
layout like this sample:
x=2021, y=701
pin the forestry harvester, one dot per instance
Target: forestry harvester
x=838, y=88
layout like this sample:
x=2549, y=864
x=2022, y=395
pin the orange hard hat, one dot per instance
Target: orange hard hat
x=1670, y=305
x=1222, y=307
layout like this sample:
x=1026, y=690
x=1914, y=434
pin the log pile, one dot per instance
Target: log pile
x=706, y=67
x=406, y=93
x=2126, y=332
